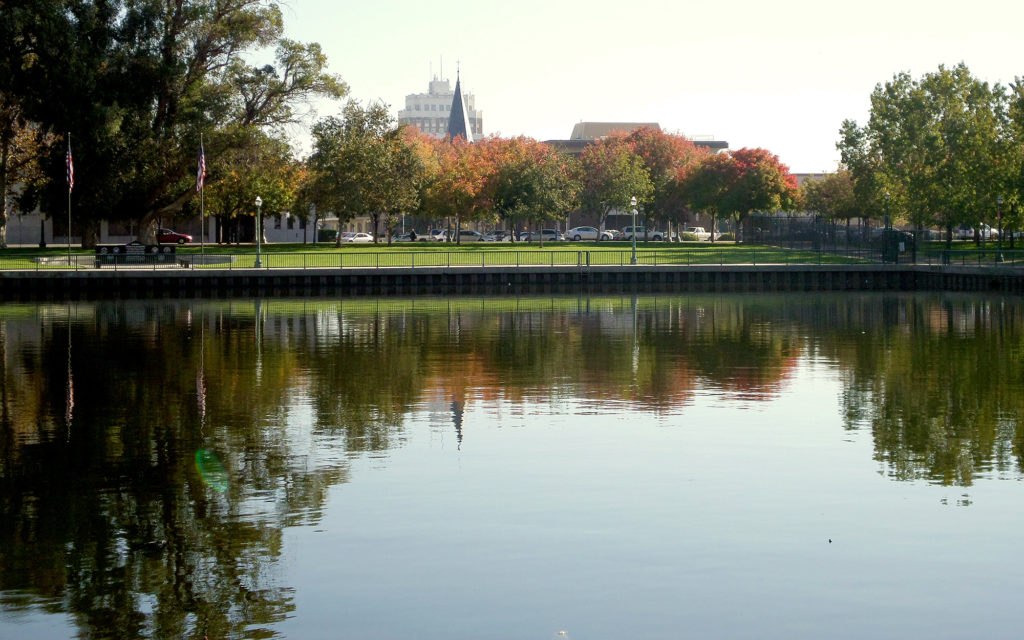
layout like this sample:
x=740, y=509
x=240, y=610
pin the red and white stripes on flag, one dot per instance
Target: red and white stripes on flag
x=71, y=169
x=201, y=169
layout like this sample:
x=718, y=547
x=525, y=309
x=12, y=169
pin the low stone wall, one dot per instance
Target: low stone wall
x=490, y=280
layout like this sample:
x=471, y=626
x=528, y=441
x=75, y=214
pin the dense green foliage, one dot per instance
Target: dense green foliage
x=135, y=83
x=938, y=151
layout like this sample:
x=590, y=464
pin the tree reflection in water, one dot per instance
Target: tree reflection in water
x=149, y=497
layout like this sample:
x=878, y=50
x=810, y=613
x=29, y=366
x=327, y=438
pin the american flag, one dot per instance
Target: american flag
x=201, y=169
x=71, y=168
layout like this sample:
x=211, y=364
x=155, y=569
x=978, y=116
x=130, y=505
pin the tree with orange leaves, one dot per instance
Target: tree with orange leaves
x=457, y=187
x=530, y=182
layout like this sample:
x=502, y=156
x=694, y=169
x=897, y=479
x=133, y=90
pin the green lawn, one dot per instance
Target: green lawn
x=446, y=254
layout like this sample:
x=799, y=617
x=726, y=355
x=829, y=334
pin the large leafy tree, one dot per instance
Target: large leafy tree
x=21, y=144
x=530, y=182
x=666, y=156
x=705, y=187
x=458, y=187
x=937, y=146
x=363, y=165
x=136, y=82
x=611, y=175
x=761, y=182
x=864, y=165
x=265, y=169
x=1014, y=167
x=833, y=198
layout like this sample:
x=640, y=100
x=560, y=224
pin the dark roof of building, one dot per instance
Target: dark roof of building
x=458, y=121
x=576, y=147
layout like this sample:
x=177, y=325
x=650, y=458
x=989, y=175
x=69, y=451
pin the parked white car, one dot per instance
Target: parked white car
x=357, y=237
x=699, y=232
x=587, y=233
x=965, y=232
x=438, y=235
x=643, y=233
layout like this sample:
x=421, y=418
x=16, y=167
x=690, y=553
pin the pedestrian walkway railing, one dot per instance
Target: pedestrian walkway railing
x=747, y=255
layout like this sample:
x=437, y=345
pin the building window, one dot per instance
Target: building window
x=417, y=107
x=291, y=222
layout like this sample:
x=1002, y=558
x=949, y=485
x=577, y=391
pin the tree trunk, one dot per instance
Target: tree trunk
x=91, y=234
x=3, y=216
x=5, y=152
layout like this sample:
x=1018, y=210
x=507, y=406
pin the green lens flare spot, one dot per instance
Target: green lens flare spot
x=211, y=469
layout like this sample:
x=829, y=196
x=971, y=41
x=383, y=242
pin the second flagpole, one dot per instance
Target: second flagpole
x=202, y=202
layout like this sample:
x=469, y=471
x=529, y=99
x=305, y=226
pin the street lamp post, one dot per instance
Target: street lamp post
x=886, y=240
x=632, y=204
x=999, y=216
x=259, y=231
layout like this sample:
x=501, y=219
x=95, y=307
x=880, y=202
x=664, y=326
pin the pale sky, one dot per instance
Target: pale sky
x=755, y=74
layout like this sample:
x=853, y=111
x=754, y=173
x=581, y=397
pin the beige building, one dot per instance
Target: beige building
x=586, y=133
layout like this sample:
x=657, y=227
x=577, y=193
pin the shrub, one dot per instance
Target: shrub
x=727, y=237
x=687, y=237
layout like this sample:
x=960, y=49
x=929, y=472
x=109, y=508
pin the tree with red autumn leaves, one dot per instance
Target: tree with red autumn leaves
x=734, y=184
x=667, y=157
x=763, y=183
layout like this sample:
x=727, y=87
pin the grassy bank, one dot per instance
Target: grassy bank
x=436, y=254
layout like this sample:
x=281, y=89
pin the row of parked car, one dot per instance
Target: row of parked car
x=576, y=234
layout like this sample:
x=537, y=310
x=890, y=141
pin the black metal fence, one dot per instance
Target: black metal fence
x=799, y=252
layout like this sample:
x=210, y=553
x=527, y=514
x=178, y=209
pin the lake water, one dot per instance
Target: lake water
x=798, y=466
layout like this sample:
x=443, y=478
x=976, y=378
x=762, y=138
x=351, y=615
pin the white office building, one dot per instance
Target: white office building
x=429, y=112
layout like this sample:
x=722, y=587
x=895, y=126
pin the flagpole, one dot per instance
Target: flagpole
x=70, y=183
x=202, y=206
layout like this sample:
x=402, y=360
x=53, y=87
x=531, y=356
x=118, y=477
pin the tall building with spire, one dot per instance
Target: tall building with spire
x=458, y=120
x=432, y=112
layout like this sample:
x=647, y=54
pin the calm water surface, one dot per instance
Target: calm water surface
x=610, y=467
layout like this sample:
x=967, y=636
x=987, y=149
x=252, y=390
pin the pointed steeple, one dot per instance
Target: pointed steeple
x=458, y=120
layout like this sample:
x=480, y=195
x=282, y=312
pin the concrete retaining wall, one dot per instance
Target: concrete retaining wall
x=476, y=280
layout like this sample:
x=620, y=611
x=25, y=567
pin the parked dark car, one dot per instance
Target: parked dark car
x=166, y=236
x=547, y=234
x=882, y=238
